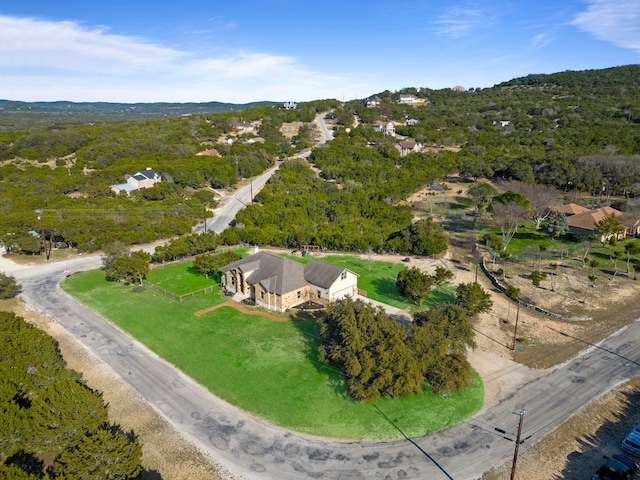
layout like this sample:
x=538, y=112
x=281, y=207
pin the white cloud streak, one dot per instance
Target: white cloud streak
x=614, y=21
x=45, y=60
x=458, y=21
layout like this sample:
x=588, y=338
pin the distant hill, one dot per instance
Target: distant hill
x=605, y=78
x=63, y=112
x=154, y=109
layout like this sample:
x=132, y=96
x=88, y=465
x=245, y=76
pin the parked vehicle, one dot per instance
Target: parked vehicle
x=631, y=442
x=618, y=467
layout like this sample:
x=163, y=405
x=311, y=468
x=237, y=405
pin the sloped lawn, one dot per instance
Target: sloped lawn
x=268, y=368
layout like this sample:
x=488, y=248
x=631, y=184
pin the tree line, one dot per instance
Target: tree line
x=52, y=424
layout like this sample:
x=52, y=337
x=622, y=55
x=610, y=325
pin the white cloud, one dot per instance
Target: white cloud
x=459, y=21
x=615, y=21
x=28, y=42
x=540, y=40
x=45, y=60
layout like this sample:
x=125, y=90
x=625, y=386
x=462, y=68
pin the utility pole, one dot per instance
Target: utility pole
x=515, y=452
x=204, y=215
x=47, y=252
x=515, y=330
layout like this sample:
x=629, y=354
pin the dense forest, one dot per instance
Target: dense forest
x=53, y=425
x=574, y=131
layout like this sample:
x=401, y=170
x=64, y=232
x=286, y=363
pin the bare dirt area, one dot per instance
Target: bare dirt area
x=291, y=129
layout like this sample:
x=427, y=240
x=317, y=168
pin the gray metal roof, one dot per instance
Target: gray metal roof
x=322, y=274
x=280, y=275
x=275, y=274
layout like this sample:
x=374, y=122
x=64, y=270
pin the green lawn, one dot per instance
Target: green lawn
x=268, y=368
x=378, y=280
x=180, y=278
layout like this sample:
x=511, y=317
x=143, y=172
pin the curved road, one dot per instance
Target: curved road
x=251, y=448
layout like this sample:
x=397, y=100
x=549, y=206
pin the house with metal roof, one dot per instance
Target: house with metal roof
x=278, y=283
x=143, y=179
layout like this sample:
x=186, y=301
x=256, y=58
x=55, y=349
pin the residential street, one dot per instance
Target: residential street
x=231, y=204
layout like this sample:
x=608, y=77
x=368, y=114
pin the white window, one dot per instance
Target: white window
x=343, y=276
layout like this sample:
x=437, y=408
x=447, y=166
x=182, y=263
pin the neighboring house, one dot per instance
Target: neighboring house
x=123, y=187
x=410, y=122
x=277, y=283
x=404, y=98
x=585, y=223
x=144, y=179
x=289, y=105
x=569, y=209
x=408, y=146
x=251, y=141
x=502, y=123
x=387, y=128
x=371, y=101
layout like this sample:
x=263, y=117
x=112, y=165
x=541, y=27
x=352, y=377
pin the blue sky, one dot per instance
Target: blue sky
x=252, y=50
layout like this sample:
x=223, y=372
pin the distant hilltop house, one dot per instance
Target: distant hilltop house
x=251, y=141
x=371, y=101
x=278, y=283
x=459, y=88
x=583, y=221
x=144, y=179
x=289, y=105
x=408, y=146
x=387, y=128
x=410, y=122
x=405, y=98
x=502, y=123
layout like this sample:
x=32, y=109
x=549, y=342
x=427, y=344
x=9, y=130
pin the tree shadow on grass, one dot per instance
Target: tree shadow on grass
x=385, y=290
x=441, y=296
x=306, y=324
x=194, y=271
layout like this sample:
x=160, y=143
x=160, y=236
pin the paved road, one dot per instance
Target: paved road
x=252, y=448
x=230, y=205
